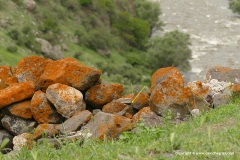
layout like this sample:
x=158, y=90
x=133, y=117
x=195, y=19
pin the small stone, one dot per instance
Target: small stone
x=101, y=94
x=195, y=112
x=46, y=130
x=95, y=111
x=109, y=125
x=29, y=4
x=17, y=125
x=43, y=111
x=25, y=139
x=67, y=100
x=75, y=122
x=16, y=93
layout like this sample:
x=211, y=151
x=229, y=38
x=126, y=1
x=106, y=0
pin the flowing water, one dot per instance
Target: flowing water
x=213, y=28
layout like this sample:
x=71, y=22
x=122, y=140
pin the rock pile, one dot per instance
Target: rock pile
x=43, y=98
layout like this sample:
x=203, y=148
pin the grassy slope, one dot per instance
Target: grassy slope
x=215, y=131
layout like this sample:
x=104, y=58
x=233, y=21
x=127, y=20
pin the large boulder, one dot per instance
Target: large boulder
x=5, y=73
x=49, y=51
x=30, y=69
x=75, y=122
x=19, y=109
x=17, y=125
x=70, y=72
x=16, y=93
x=66, y=99
x=221, y=73
x=43, y=111
x=108, y=125
x=101, y=94
x=168, y=92
x=140, y=100
x=5, y=135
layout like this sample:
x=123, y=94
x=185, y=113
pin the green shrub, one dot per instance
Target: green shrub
x=234, y=5
x=49, y=24
x=104, y=5
x=14, y=34
x=170, y=50
x=12, y=49
x=85, y=2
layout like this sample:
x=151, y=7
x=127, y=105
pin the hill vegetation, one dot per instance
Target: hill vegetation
x=112, y=35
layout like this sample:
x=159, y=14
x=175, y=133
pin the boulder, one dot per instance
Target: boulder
x=30, y=69
x=108, y=125
x=75, y=122
x=221, y=73
x=140, y=100
x=101, y=94
x=199, y=89
x=17, y=125
x=69, y=72
x=49, y=51
x=46, y=130
x=29, y=4
x=16, y=93
x=25, y=139
x=11, y=80
x=147, y=117
x=43, y=111
x=5, y=73
x=5, y=135
x=168, y=92
x=19, y=109
x=67, y=100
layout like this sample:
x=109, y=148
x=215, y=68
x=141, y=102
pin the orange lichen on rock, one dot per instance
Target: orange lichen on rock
x=21, y=109
x=70, y=72
x=46, y=130
x=140, y=100
x=198, y=89
x=43, y=111
x=30, y=69
x=101, y=94
x=11, y=80
x=235, y=88
x=15, y=93
x=109, y=125
x=5, y=73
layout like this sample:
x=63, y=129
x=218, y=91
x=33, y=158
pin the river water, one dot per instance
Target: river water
x=213, y=28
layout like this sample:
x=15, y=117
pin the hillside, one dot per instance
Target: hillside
x=112, y=35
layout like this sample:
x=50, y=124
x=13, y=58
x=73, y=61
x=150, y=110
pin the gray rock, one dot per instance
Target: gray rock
x=95, y=111
x=49, y=51
x=5, y=135
x=75, y=122
x=125, y=100
x=16, y=125
x=222, y=74
x=66, y=99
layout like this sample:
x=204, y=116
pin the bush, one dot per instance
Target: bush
x=85, y=2
x=12, y=49
x=133, y=30
x=14, y=34
x=170, y=50
x=234, y=5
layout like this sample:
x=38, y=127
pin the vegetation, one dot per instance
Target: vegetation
x=212, y=135
x=114, y=36
x=235, y=6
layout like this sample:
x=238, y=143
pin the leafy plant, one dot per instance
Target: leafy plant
x=234, y=5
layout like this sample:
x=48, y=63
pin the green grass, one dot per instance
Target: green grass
x=215, y=132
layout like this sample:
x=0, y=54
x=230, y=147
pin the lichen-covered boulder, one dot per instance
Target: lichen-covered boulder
x=199, y=89
x=46, y=130
x=19, y=109
x=101, y=94
x=30, y=69
x=109, y=125
x=5, y=73
x=221, y=73
x=17, y=125
x=75, y=122
x=66, y=99
x=43, y=111
x=148, y=117
x=69, y=72
x=16, y=93
x=168, y=92
x=11, y=80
